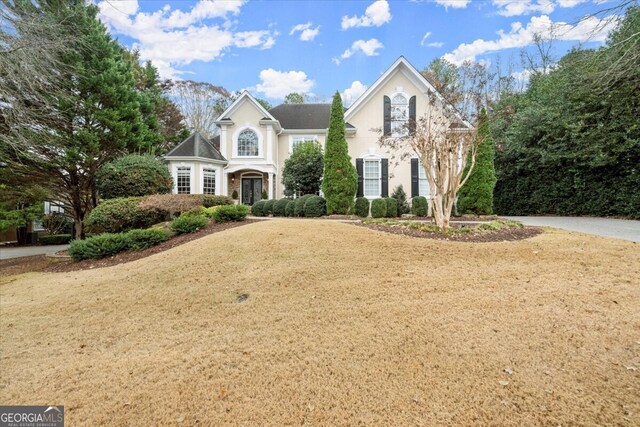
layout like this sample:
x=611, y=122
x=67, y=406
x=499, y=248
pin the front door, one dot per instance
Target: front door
x=251, y=190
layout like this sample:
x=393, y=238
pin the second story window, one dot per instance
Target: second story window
x=248, y=144
x=399, y=115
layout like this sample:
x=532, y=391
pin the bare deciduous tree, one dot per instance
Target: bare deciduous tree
x=200, y=103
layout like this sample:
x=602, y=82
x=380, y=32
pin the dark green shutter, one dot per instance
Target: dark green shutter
x=412, y=114
x=385, y=177
x=360, y=182
x=387, y=116
x=415, y=181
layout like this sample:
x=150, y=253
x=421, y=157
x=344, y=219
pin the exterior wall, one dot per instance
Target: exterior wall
x=197, y=167
x=371, y=116
x=245, y=116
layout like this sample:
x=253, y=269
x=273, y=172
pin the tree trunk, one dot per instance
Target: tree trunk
x=78, y=226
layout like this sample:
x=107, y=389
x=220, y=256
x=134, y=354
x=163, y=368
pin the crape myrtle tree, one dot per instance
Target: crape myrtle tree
x=340, y=181
x=302, y=173
x=95, y=111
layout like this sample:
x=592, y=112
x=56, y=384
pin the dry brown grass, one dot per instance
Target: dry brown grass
x=343, y=326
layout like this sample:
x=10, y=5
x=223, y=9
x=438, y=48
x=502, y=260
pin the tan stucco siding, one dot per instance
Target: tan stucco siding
x=245, y=116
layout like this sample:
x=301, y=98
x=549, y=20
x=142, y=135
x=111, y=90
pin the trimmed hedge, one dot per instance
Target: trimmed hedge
x=419, y=206
x=173, y=204
x=189, y=223
x=55, y=239
x=298, y=209
x=268, y=207
x=362, y=207
x=138, y=240
x=97, y=247
x=279, y=207
x=378, y=208
x=291, y=207
x=133, y=175
x=258, y=208
x=315, y=206
x=122, y=214
x=230, y=213
x=392, y=207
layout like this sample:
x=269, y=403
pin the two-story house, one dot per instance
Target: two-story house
x=249, y=153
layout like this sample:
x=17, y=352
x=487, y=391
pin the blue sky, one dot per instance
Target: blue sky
x=317, y=47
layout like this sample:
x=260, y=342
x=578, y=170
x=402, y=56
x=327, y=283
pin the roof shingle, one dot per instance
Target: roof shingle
x=197, y=145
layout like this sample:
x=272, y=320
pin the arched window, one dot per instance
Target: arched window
x=399, y=115
x=248, y=143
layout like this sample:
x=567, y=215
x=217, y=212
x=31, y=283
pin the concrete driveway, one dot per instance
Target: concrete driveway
x=7, y=253
x=625, y=229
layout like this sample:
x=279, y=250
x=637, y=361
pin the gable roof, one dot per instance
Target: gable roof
x=197, y=145
x=245, y=95
x=404, y=66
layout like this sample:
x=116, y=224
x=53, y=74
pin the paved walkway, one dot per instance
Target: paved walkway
x=9, y=252
x=625, y=229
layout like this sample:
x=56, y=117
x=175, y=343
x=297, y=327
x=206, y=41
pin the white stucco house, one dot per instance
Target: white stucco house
x=249, y=153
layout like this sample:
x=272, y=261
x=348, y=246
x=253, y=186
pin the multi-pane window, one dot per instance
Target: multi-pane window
x=248, y=143
x=208, y=181
x=371, y=178
x=399, y=115
x=295, y=140
x=423, y=187
x=183, y=180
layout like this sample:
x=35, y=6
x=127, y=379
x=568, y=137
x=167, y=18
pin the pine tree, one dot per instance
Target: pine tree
x=476, y=196
x=340, y=181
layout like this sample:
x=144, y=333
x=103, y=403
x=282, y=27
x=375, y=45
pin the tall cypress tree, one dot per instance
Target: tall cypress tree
x=476, y=196
x=340, y=181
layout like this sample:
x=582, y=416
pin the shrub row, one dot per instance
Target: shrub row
x=196, y=219
x=308, y=206
x=108, y=244
x=55, y=239
x=189, y=223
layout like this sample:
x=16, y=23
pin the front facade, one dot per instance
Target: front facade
x=248, y=155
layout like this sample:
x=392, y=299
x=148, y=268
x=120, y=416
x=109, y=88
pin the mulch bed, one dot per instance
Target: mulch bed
x=41, y=263
x=481, y=236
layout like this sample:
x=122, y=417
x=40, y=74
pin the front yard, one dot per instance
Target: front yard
x=324, y=323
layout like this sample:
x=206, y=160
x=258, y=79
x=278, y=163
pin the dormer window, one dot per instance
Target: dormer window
x=399, y=115
x=248, y=144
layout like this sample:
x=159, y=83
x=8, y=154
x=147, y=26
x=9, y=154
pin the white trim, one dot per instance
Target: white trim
x=174, y=175
x=245, y=94
x=236, y=134
x=191, y=158
x=218, y=177
x=303, y=131
x=223, y=140
x=399, y=91
x=293, y=136
x=270, y=143
x=250, y=166
x=371, y=156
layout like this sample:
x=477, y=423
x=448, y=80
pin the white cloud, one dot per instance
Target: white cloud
x=425, y=37
x=454, y=4
x=353, y=92
x=435, y=44
x=525, y=7
x=307, y=33
x=590, y=29
x=174, y=38
x=278, y=84
x=377, y=14
x=432, y=44
x=368, y=48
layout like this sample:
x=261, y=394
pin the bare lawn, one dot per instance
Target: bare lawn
x=337, y=325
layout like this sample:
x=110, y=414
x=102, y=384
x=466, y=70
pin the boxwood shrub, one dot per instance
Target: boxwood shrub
x=55, y=239
x=143, y=239
x=100, y=246
x=362, y=207
x=258, y=208
x=419, y=206
x=268, y=207
x=122, y=214
x=378, y=208
x=209, y=200
x=392, y=207
x=315, y=206
x=230, y=213
x=298, y=209
x=279, y=207
x=291, y=207
x=189, y=223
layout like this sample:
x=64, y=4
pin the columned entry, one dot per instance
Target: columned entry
x=251, y=190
